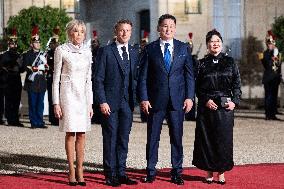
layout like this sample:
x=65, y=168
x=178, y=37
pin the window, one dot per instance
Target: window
x=227, y=20
x=192, y=6
x=71, y=6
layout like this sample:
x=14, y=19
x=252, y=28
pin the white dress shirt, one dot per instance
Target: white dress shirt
x=119, y=45
x=171, y=47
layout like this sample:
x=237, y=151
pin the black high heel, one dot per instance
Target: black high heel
x=72, y=183
x=82, y=183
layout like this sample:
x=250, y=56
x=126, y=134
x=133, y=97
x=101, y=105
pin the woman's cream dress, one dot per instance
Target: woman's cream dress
x=72, y=86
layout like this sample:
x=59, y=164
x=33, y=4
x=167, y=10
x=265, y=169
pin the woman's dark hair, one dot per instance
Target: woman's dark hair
x=166, y=16
x=211, y=33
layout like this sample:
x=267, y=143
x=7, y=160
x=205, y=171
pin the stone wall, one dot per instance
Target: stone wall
x=102, y=15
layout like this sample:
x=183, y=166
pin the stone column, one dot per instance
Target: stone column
x=1, y=17
x=154, y=15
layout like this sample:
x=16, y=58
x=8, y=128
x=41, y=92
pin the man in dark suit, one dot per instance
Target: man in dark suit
x=115, y=86
x=95, y=46
x=3, y=85
x=49, y=78
x=166, y=89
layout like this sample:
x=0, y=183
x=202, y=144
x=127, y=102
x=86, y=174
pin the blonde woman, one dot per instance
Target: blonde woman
x=73, y=108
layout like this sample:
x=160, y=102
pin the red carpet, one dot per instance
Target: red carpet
x=261, y=176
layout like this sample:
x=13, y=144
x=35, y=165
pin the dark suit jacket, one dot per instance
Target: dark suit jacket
x=39, y=84
x=269, y=74
x=109, y=76
x=3, y=73
x=160, y=87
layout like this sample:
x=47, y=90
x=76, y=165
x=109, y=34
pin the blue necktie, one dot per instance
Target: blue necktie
x=167, y=57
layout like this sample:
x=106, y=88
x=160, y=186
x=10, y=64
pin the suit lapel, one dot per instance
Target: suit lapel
x=158, y=52
x=175, y=54
x=132, y=58
x=117, y=56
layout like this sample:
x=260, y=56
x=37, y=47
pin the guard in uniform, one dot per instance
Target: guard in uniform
x=271, y=76
x=11, y=60
x=49, y=77
x=35, y=82
x=143, y=42
x=3, y=85
x=95, y=45
x=190, y=116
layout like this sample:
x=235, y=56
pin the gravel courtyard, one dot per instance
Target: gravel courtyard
x=33, y=150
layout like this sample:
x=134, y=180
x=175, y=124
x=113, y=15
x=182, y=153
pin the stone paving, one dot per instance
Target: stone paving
x=32, y=150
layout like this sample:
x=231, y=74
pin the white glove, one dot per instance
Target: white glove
x=43, y=59
x=41, y=67
x=275, y=52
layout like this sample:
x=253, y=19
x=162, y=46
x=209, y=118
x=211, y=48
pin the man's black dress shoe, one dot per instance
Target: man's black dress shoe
x=54, y=123
x=279, y=113
x=126, y=180
x=82, y=183
x=149, y=179
x=17, y=124
x=272, y=118
x=20, y=125
x=112, y=181
x=72, y=183
x=177, y=180
x=42, y=126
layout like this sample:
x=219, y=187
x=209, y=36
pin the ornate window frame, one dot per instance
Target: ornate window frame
x=192, y=6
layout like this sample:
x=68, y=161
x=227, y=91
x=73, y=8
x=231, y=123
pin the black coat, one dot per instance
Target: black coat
x=11, y=61
x=10, y=66
x=3, y=74
x=215, y=80
x=213, y=146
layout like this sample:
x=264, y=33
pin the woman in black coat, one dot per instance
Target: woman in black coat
x=218, y=89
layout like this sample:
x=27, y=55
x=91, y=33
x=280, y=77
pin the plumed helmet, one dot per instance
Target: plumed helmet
x=35, y=34
x=55, y=34
x=270, y=38
x=145, y=38
x=95, y=34
x=12, y=38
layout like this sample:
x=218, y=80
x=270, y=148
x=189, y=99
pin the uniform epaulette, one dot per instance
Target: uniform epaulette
x=25, y=51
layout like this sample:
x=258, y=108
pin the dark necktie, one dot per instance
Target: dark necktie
x=124, y=54
x=167, y=57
